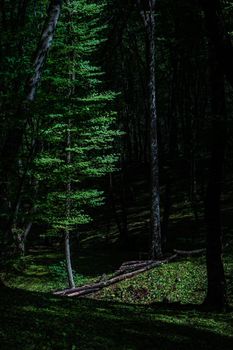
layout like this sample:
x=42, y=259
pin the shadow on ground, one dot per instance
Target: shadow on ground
x=42, y=321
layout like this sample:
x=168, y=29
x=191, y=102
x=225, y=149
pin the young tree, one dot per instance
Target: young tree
x=77, y=135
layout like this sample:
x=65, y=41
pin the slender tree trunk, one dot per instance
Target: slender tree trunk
x=167, y=239
x=112, y=202
x=156, y=249
x=148, y=15
x=68, y=260
x=216, y=293
x=68, y=208
x=25, y=236
x=123, y=204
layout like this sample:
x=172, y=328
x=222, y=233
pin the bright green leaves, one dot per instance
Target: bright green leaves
x=78, y=131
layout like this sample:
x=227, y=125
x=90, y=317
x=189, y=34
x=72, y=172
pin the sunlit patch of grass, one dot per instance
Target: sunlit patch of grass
x=181, y=281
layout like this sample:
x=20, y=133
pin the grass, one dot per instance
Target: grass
x=182, y=281
x=33, y=320
x=156, y=309
x=44, y=271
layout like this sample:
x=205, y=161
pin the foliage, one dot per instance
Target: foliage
x=78, y=132
x=58, y=272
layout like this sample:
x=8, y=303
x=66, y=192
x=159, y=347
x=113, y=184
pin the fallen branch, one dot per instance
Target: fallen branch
x=85, y=292
x=198, y=251
x=89, y=289
x=127, y=270
x=132, y=267
x=189, y=252
x=136, y=262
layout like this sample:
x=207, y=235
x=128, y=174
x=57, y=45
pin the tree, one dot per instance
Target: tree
x=147, y=10
x=216, y=292
x=78, y=134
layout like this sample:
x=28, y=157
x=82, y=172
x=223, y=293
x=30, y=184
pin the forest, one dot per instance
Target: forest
x=116, y=174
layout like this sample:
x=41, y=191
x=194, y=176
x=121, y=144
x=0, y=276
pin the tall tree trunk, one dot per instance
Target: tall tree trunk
x=15, y=134
x=68, y=260
x=25, y=235
x=113, y=204
x=68, y=208
x=148, y=15
x=216, y=293
x=167, y=239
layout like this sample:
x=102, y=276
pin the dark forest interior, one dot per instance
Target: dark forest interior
x=116, y=174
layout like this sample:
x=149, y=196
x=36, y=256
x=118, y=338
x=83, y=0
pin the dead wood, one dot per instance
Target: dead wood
x=89, y=289
x=189, y=252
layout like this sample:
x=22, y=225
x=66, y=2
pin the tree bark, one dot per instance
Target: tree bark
x=68, y=260
x=68, y=209
x=216, y=292
x=167, y=239
x=148, y=14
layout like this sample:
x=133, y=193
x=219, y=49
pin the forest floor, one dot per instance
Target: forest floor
x=157, y=309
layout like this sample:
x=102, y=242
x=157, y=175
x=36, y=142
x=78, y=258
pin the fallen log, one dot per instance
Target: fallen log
x=59, y=292
x=85, y=292
x=89, y=289
x=126, y=271
x=125, y=268
x=132, y=264
x=135, y=262
x=189, y=252
x=198, y=251
x=70, y=290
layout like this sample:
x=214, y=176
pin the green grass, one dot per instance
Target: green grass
x=181, y=281
x=156, y=309
x=40, y=321
x=44, y=271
